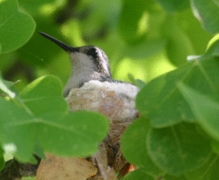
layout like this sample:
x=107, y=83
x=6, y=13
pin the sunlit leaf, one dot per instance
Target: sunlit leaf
x=16, y=27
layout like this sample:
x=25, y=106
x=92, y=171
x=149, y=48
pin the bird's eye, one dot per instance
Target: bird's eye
x=92, y=52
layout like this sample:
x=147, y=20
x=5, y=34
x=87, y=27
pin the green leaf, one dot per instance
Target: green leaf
x=38, y=56
x=173, y=149
x=16, y=27
x=2, y=161
x=75, y=134
x=213, y=47
x=208, y=171
x=15, y=131
x=131, y=14
x=36, y=7
x=137, y=82
x=215, y=146
x=207, y=12
x=144, y=49
x=44, y=122
x=135, y=151
x=138, y=174
x=4, y=86
x=178, y=45
x=162, y=103
x=174, y=5
x=169, y=177
x=197, y=36
x=28, y=178
x=39, y=152
x=204, y=108
x=44, y=95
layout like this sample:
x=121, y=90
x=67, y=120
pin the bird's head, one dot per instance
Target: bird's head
x=86, y=58
x=88, y=63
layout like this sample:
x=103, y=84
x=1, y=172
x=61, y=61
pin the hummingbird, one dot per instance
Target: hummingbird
x=91, y=87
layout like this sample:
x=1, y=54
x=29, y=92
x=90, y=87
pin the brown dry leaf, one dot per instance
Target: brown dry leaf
x=59, y=168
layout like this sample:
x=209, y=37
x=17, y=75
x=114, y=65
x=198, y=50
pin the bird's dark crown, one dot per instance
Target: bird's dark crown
x=98, y=57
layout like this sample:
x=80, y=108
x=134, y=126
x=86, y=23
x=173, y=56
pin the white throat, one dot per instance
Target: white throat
x=83, y=70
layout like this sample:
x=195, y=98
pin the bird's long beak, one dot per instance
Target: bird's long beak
x=64, y=46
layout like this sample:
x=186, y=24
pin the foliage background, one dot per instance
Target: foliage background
x=143, y=40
